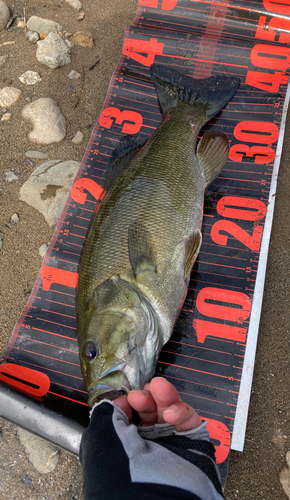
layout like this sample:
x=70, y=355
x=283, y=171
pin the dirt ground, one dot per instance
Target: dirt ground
x=253, y=474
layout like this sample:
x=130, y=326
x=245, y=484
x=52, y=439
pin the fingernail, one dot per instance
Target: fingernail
x=173, y=408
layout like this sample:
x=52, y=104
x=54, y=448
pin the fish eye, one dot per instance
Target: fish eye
x=90, y=351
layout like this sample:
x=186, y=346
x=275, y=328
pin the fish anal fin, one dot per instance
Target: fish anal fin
x=141, y=250
x=192, y=246
x=212, y=153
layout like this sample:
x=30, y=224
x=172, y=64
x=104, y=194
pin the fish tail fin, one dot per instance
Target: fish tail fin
x=208, y=95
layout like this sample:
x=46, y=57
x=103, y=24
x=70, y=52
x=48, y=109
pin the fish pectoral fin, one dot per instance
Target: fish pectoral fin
x=192, y=246
x=212, y=153
x=141, y=251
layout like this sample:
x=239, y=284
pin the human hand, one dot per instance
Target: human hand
x=159, y=402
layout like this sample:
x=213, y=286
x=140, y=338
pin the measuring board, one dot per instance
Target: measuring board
x=215, y=335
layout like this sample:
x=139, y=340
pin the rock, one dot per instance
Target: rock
x=83, y=38
x=14, y=219
x=53, y=51
x=78, y=138
x=4, y=15
x=9, y=96
x=3, y=59
x=6, y=117
x=49, y=123
x=76, y=4
x=1, y=239
x=81, y=16
x=43, y=456
x=43, y=249
x=30, y=78
x=32, y=36
x=11, y=176
x=38, y=155
x=48, y=187
x=74, y=75
x=284, y=476
x=46, y=26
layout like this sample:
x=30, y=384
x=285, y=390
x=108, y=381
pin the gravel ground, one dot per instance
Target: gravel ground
x=253, y=474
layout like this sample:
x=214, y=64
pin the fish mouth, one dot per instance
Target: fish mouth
x=102, y=390
x=109, y=393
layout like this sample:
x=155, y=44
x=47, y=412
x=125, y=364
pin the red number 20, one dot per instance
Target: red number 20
x=257, y=211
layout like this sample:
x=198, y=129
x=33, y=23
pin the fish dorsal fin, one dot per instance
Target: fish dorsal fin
x=212, y=152
x=128, y=147
x=192, y=246
x=141, y=251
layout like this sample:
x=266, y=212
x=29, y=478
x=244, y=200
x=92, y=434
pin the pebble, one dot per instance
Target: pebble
x=284, y=476
x=3, y=59
x=48, y=187
x=9, y=96
x=31, y=163
x=83, y=38
x=74, y=75
x=30, y=78
x=81, y=16
x=53, y=51
x=41, y=25
x=76, y=4
x=27, y=481
x=4, y=15
x=11, y=176
x=36, y=155
x=15, y=219
x=32, y=36
x=20, y=24
x=43, y=456
x=1, y=239
x=6, y=117
x=78, y=138
x=69, y=44
x=43, y=249
x=49, y=124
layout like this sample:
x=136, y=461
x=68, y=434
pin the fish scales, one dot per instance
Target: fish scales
x=151, y=189
x=145, y=237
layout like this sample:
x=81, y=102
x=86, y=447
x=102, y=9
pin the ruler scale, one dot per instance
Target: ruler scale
x=205, y=357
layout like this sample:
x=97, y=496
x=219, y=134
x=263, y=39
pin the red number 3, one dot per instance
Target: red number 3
x=108, y=116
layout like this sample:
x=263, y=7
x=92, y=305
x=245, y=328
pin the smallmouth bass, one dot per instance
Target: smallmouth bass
x=144, y=239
